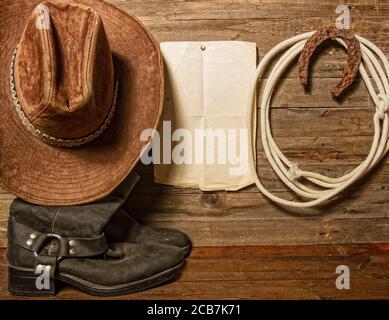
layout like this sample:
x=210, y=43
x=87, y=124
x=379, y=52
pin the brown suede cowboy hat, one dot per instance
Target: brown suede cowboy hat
x=80, y=81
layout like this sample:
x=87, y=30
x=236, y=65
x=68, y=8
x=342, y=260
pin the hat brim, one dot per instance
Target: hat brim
x=47, y=175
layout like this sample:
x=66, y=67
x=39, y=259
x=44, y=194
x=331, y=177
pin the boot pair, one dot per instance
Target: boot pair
x=98, y=248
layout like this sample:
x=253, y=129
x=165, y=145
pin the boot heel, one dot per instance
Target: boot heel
x=23, y=283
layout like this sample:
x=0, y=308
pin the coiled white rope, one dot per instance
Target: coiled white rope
x=288, y=171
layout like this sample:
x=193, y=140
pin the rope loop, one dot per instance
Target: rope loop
x=317, y=189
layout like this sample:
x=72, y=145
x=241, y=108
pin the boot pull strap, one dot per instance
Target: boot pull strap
x=68, y=247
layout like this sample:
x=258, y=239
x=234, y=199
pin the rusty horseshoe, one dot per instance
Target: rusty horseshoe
x=353, y=56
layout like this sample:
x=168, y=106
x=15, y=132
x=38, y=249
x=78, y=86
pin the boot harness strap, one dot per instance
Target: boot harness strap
x=68, y=247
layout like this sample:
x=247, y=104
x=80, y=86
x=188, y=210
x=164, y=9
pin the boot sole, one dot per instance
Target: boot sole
x=22, y=283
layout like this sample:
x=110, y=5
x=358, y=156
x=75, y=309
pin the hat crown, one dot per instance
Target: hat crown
x=63, y=71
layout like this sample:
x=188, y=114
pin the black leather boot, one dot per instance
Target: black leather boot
x=124, y=228
x=52, y=245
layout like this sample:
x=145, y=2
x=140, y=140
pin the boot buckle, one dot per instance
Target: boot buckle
x=43, y=242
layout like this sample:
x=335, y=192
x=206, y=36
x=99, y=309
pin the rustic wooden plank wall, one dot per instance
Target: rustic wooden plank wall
x=312, y=129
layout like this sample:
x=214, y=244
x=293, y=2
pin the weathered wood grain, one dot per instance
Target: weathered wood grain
x=267, y=22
